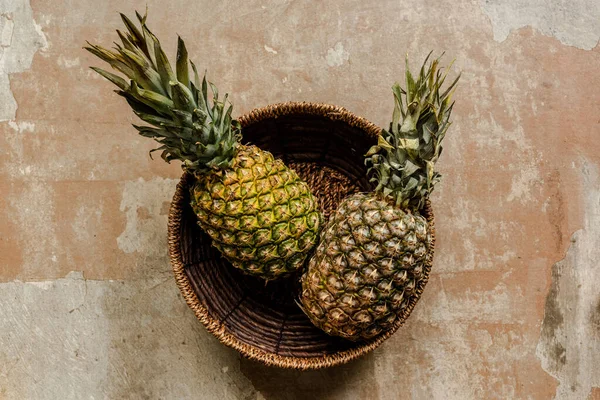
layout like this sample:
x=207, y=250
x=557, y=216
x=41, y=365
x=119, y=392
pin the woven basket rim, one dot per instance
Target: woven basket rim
x=218, y=329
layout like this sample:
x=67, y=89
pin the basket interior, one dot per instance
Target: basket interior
x=329, y=155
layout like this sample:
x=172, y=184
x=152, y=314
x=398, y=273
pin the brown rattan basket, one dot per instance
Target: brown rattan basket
x=325, y=144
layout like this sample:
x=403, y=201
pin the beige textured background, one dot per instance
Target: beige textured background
x=88, y=306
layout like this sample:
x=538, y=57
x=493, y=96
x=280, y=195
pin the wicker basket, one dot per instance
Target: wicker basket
x=325, y=144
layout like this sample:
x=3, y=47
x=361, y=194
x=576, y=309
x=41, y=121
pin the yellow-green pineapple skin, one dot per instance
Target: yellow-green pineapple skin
x=369, y=261
x=259, y=214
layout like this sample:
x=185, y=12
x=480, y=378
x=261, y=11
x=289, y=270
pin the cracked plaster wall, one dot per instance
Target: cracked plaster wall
x=88, y=306
x=20, y=39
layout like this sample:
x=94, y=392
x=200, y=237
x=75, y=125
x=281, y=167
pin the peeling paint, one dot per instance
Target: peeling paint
x=20, y=39
x=569, y=344
x=522, y=183
x=22, y=126
x=269, y=49
x=67, y=62
x=337, y=55
x=16, y=148
x=7, y=26
x=574, y=23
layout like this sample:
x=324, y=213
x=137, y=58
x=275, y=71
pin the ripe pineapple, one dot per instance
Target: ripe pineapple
x=257, y=211
x=372, y=251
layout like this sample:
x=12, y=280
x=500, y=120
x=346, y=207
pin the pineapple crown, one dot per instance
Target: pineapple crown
x=402, y=162
x=188, y=127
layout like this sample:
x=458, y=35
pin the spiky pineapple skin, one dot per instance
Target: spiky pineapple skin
x=259, y=214
x=364, y=272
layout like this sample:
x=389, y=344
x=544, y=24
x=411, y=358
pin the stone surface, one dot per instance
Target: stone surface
x=88, y=306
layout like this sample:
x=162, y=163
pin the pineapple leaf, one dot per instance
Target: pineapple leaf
x=153, y=133
x=162, y=63
x=183, y=75
x=195, y=86
x=115, y=60
x=182, y=97
x=144, y=74
x=163, y=148
x=187, y=125
x=116, y=79
x=138, y=37
x=143, y=18
x=205, y=98
x=449, y=91
x=135, y=104
x=422, y=71
x=196, y=77
x=155, y=100
x=398, y=109
x=184, y=118
x=410, y=85
x=409, y=168
x=383, y=144
x=126, y=42
x=402, y=163
x=154, y=119
x=373, y=150
x=215, y=91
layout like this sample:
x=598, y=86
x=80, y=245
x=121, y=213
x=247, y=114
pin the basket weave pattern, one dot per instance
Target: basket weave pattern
x=325, y=144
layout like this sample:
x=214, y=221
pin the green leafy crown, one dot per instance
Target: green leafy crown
x=402, y=162
x=202, y=135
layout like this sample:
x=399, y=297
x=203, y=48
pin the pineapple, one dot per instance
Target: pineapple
x=372, y=252
x=258, y=212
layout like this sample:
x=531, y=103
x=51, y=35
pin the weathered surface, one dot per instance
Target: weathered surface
x=20, y=39
x=569, y=346
x=74, y=338
x=510, y=311
x=573, y=23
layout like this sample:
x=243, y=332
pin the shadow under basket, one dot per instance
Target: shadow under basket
x=325, y=144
